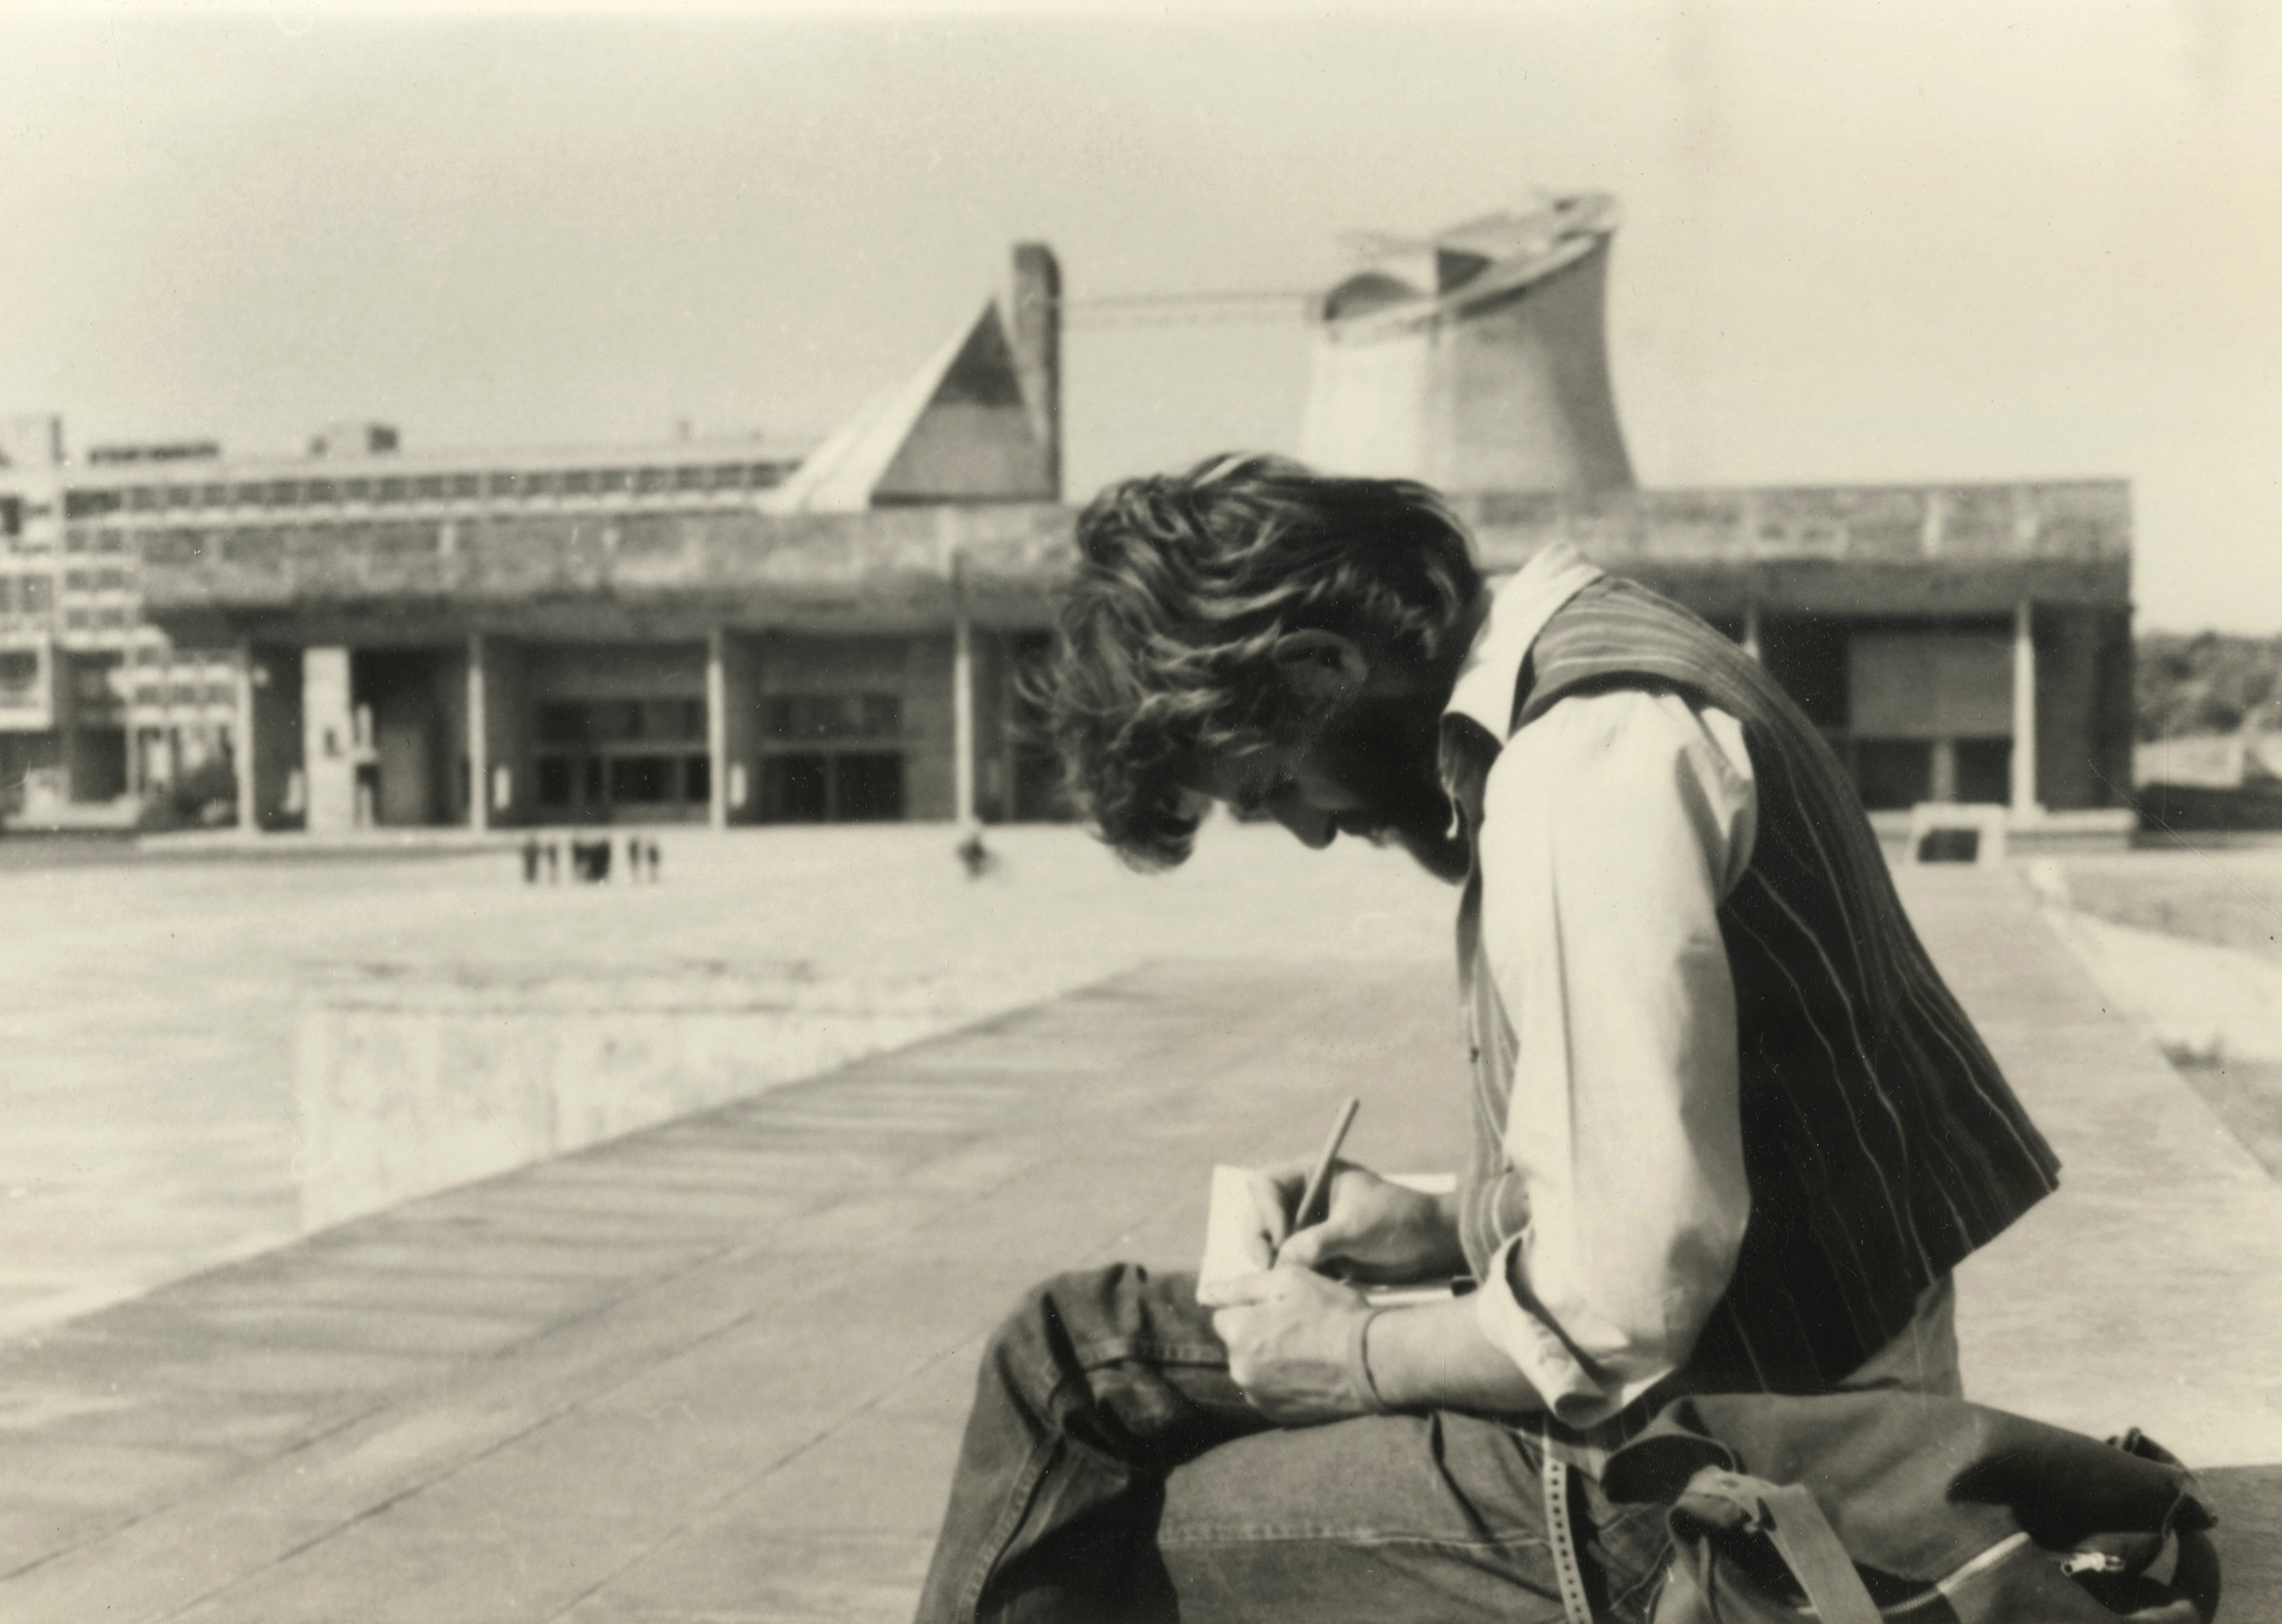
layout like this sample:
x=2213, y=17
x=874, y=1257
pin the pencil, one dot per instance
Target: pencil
x=1321, y=1178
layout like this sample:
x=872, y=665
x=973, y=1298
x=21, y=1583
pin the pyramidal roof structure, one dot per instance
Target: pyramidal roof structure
x=956, y=431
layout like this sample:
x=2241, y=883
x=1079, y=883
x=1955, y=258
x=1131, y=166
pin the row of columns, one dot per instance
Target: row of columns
x=482, y=790
x=487, y=793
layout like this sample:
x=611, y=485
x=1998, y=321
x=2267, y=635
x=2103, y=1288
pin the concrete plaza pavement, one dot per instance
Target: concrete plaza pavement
x=716, y=1371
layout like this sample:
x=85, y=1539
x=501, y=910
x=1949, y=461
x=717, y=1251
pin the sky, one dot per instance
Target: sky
x=1888, y=242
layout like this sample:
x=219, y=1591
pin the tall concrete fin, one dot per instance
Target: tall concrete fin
x=1034, y=309
x=1475, y=360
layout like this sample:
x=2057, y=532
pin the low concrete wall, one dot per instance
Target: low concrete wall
x=413, y=1078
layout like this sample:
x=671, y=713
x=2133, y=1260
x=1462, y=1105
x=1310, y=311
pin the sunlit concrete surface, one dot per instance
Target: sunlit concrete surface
x=716, y=1371
x=149, y=1008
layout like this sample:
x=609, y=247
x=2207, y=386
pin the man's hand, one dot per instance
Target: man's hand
x=1373, y=1230
x=1290, y=1337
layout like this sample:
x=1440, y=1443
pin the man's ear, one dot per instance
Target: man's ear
x=1321, y=668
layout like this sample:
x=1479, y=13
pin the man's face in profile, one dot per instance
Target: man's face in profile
x=1370, y=773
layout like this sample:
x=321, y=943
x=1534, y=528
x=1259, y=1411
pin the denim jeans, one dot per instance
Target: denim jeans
x=1111, y=1472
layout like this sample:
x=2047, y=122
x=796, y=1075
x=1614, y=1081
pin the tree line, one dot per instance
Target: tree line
x=2206, y=682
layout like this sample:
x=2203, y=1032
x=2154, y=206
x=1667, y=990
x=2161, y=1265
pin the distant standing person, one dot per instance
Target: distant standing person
x=1732, y=1131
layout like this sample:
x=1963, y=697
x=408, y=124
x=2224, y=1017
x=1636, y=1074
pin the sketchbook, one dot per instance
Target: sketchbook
x=1234, y=1244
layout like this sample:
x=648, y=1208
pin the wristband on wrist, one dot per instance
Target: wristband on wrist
x=1359, y=1365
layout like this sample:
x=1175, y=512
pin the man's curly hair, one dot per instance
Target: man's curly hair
x=1185, y=583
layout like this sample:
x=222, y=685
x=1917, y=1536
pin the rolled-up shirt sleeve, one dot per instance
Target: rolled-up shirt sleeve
x=1612, y=828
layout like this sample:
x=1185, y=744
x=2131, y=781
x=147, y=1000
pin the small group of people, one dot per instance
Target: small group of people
x=590, y=860
x=1732, y=1132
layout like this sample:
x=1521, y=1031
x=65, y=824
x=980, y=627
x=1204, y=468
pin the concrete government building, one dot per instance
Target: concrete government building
x=719, y=633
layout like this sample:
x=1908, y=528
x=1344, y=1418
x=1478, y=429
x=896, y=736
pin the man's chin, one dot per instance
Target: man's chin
x=1442, y=854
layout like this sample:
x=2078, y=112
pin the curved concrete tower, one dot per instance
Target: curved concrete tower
x=1475, y=359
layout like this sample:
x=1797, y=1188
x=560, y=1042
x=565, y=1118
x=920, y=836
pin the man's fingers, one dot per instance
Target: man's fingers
x=1292, y=1174
x=1304, y=1249
x=1272, y=1208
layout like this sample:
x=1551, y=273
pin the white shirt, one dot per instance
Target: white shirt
x=1613, y=827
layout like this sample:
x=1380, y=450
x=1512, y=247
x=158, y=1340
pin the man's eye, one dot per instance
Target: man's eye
x=1258, y=799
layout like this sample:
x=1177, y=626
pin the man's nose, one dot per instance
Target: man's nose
x=1312, y=828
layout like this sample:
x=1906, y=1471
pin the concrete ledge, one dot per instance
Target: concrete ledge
x=414, y=1078
x=1978, y=829
x=2043, y=832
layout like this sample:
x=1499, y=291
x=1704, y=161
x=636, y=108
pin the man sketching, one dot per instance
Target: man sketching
x=1732, y=1132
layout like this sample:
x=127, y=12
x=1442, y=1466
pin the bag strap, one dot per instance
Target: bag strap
x=1795, y=1527
x=1561, y=1540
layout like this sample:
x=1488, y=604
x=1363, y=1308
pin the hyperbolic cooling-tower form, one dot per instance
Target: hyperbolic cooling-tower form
x=1474, y=360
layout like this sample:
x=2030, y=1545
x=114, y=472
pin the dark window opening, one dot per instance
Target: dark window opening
x=1984, y=770
x=561, y=724
x=867, y=786
x=696, y=777
x=795, y=789
x=798, y=716
x=1892, y=774
x=553, y=781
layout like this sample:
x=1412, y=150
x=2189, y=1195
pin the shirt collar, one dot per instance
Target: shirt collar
x=1519, y=607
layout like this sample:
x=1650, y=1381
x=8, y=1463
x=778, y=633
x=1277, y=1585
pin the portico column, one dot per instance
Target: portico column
x=479, y=755
x=716, y=728
x=242, y=745
x=962, y=698
x=2024, y=708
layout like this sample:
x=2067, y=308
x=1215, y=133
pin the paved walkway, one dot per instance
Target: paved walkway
x=715, y=1372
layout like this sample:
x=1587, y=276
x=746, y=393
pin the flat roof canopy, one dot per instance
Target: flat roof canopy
x=1885, y=551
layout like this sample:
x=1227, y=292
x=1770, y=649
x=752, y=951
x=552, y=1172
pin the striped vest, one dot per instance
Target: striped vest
x=1882, y=1142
